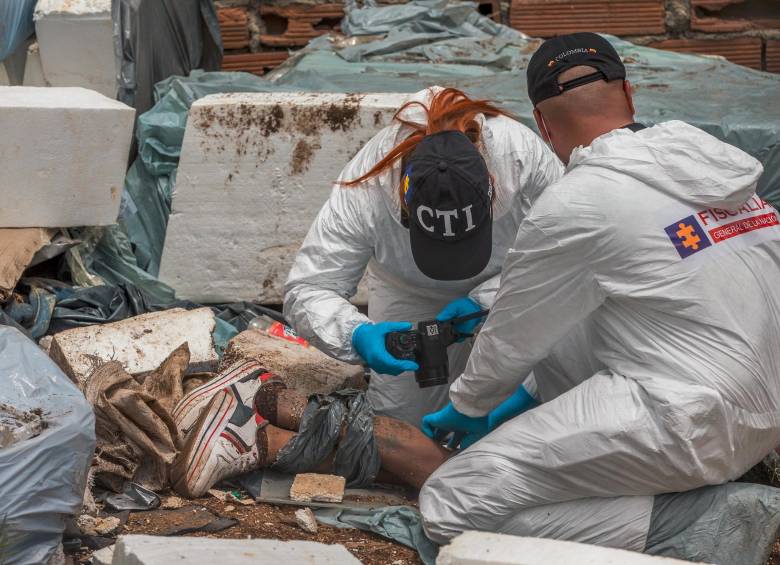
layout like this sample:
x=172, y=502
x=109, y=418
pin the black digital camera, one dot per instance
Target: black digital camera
x=427, y=345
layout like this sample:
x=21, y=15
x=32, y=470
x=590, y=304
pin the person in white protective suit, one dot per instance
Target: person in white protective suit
x=650, y=272
x=429, y=207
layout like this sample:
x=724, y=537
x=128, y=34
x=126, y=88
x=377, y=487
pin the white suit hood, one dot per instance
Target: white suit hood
x=678, y=159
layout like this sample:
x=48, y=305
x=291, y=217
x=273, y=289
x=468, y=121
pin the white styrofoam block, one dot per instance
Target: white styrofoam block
x=63, y=156
x=140, y=343
x=154, y=550
x=76, y=44
x=483, y=548
x=254, y=171
x=33, y=70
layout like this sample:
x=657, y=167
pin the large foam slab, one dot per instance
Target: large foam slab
x=63, y=156
x=254, y=171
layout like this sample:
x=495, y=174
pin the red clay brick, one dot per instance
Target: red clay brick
x=233, y=27
x=295, y=26
x=718, y=16
x=255, y=63
x=773, y=56
x=743, y=50
x=547, y=18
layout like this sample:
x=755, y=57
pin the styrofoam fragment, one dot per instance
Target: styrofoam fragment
x=77, y=44
x=483, y=548
x=140, y=343
x=255, y=169
x=152, y=550
x=63, y=154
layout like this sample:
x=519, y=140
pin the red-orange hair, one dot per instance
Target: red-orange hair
x=449, y=109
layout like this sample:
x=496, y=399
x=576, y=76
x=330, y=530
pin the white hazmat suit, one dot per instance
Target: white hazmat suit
x=655, y=250
x=360, y=227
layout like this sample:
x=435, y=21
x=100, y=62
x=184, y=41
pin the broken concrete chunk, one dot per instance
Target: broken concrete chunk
x=482, y=548
x=17, y=248
x=305, y=369
x=140, y=344
x=97, y=526
x=76, y=44
x=314, y=487
x=248, y=161
x=173, y=503
x=153, y=550
x=305, y=519
x=65, y=163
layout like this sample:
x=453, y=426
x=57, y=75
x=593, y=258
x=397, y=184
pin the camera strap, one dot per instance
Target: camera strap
x=468, y=318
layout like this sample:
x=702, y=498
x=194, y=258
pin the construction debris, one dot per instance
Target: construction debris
x=314, y=487
x=305, y=369
x=51, y=176
x=293, y=146
x=305, y=519
x=150, y=550
x=173, y=503
x=98, y=526
x=139, y=344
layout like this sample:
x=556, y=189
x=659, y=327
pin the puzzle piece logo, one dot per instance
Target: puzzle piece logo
x=688, y=236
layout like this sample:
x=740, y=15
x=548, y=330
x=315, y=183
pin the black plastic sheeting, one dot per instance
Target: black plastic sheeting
x=156, y=39
x=357, y=456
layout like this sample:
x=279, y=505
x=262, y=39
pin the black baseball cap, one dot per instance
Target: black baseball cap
x=565, y=52
x=448, y=194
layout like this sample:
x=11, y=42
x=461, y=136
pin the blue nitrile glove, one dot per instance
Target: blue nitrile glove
x=461, y=307
x=520, y=401
x=369, y=341
x=438, y=424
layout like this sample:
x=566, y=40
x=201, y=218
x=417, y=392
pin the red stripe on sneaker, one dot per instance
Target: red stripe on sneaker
x=197, y=394
x=231, y=437
x=214, y=431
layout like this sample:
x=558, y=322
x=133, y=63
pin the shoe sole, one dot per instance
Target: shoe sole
x=204, y=434
x=202, y=394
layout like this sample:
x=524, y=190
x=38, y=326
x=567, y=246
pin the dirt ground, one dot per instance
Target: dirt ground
x=264, y=521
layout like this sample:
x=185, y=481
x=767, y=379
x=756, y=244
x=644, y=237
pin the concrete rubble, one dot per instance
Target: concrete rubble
x=482, y=548
x=51, y=158
x=305, y=369
x=98, y=526
x=305, y=519
x=315, y=487
x=151, y=550
x=249, y=163
x=140, y=344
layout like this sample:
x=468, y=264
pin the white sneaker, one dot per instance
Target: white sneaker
x=246, y=376
x=223, y=444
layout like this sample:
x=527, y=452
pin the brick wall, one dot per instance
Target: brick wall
x=746, y=32
x=259, y=34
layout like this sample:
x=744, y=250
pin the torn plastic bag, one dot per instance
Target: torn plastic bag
x=357, y=456
x=133, y=497
x=156, y=39
x=402, y=524
x=42, y=479
x=16, y=24
x=730, y=524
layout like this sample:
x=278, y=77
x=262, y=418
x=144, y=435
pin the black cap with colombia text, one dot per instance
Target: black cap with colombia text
x=565, y=52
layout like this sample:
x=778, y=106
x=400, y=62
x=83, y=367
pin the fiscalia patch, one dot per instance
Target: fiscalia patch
x=711, y=226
